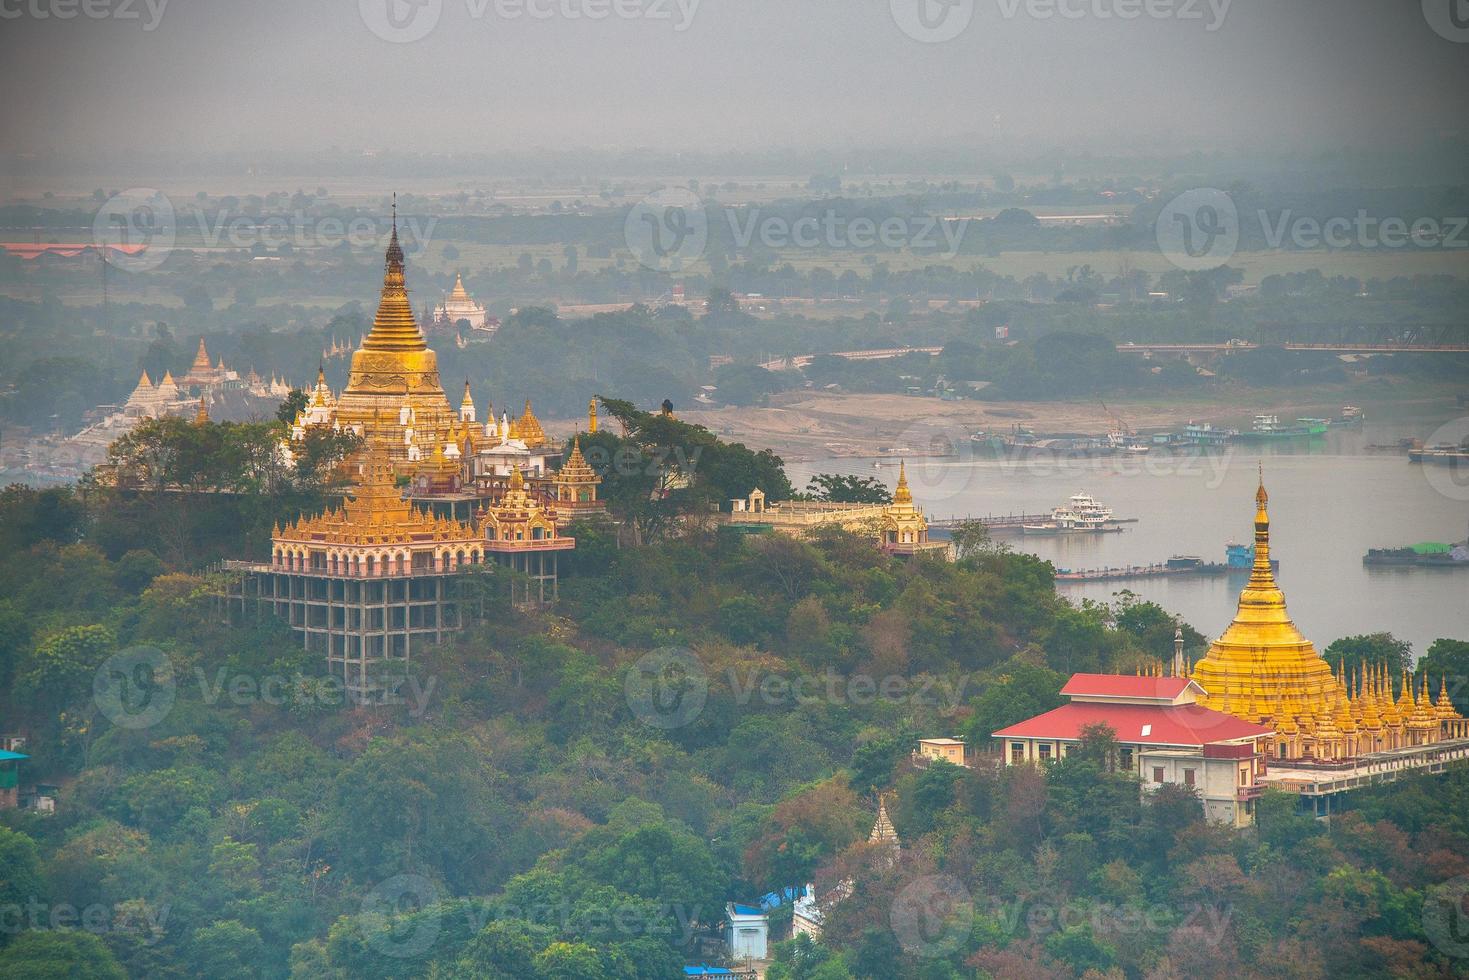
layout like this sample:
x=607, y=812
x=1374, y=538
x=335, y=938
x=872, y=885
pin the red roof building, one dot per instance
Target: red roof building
x=1162, y=735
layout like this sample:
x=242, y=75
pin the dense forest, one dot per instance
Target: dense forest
x=524, y=805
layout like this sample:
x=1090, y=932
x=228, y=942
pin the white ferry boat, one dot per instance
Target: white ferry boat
x=1082, y=514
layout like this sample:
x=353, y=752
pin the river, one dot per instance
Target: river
x=1330, y=500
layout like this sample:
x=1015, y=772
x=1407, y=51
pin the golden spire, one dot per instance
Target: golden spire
x=576, y=469
x=467, y=399
x=528, y=429
x=901, y=494
x=1262, y=658
x=459, y=292
x=201, y=358
x=592, y=416
x=201, y=417
x=1444, y=707
x=394, y=328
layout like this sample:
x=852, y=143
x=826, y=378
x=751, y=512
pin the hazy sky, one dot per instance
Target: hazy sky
x=218, y=75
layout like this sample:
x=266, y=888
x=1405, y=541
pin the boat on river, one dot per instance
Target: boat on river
x=1082, y=514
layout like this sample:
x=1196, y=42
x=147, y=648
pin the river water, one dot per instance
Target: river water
x=1330, y=500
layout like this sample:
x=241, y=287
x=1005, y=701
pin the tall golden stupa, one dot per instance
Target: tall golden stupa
x=1264, y=671
x=393, y=394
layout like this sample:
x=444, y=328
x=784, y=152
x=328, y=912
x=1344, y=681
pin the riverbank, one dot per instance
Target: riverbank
x=811, y=424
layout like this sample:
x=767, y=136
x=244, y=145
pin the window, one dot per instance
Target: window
x=1126, y=755
x=1017, y=752
x=1157, y=774
x=1244, y=777
x=1045, y=752
x=1188, y=777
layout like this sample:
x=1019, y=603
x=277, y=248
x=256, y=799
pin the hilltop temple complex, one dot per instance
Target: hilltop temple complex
x=1262, y=709
x=395, y=400
x=382, y=574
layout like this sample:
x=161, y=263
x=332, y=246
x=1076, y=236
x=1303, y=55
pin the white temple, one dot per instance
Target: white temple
x=459, y=305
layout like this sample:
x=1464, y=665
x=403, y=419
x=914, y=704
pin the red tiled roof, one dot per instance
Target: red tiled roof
x=1124, y=686
x=1186, y=724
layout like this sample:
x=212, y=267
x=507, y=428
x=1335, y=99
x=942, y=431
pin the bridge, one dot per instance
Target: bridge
x=801, y=361
x=1338, y=348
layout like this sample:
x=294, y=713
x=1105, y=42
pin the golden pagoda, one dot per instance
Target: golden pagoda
x=375, y=532
x=394, y=370
x=576, y=485
x=528, y=429
x=902, y=529
x=1263, y=670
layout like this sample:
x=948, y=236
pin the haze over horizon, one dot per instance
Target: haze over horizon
x=212, y=77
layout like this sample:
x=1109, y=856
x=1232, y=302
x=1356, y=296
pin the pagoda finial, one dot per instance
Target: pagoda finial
x=901, y=494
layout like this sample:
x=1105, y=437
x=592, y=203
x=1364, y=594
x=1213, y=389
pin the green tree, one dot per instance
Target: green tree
x=846, y=489
x=58, y=954
x=1447, y=661
x=1373, y=649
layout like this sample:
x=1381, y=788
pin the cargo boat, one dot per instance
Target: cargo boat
x=1428, y=554
x=1270, y=427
